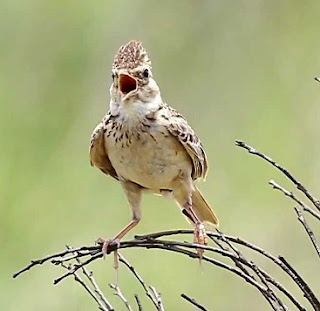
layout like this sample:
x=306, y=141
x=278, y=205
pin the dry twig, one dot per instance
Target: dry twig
x=298, y=184
x=189, y=249
x=194, y=302
x=118, y=293
x=291, y=195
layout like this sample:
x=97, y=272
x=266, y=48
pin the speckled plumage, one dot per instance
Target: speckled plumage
x=147, y=145
x=130, y=56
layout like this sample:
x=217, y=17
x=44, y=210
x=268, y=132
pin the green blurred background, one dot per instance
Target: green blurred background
x=235, y=69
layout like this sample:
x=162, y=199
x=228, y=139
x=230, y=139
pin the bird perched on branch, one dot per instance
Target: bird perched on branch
x=146, y=145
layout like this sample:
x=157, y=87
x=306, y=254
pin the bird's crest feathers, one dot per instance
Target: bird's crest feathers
x=131, y=55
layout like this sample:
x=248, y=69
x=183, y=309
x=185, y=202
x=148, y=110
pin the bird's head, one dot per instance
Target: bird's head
x=132, y=76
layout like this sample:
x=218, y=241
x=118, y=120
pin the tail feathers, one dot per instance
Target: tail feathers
x=202, y=208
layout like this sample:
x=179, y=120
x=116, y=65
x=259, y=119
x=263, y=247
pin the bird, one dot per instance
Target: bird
x=147, y=146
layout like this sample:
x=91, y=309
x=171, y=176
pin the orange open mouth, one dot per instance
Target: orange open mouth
x=127, y=84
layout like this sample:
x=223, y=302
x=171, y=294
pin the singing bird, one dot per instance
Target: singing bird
x=146, y=145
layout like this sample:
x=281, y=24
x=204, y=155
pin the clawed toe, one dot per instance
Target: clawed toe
x=200, y=237
x=108, y=245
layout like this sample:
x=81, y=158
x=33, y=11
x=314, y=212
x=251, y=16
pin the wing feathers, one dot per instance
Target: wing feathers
x=179, y=127
x=98, y=152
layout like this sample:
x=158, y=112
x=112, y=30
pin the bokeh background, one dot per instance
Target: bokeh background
x=235, y=69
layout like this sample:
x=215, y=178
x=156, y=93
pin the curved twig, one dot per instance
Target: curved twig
x=297, y=183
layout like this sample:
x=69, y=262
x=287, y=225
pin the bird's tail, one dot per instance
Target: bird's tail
x=202, y=208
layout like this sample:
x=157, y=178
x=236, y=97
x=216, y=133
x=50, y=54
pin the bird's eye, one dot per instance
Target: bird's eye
x=146, y=73
x=113, y=76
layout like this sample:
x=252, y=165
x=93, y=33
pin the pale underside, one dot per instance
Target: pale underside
x=153, y=161
x=160, y=153
x=152, y=154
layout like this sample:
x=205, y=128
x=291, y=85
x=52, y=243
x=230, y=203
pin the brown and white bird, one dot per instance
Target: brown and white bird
x=146, y=145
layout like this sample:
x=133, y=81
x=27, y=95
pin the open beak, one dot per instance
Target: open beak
x=126, y=84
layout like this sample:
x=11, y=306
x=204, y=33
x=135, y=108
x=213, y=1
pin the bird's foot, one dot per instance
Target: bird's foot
x=200, y=237
x=108, y=245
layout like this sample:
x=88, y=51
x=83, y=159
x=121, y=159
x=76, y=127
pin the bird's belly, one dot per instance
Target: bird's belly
x=150, y=162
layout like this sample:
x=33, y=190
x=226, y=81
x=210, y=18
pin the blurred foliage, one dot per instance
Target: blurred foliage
x=235, y=69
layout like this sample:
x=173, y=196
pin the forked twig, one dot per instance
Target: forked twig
x=291, y=195
x=118, y=293
x=297, y=183
x=150, y=291
x=308, y=230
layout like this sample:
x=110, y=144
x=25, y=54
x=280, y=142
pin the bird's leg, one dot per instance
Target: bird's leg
x=107, y=243
x=200, y=236
x=133, y=193
x=182, y=192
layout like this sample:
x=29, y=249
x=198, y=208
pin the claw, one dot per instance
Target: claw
x=108, y=245
x=200, y=237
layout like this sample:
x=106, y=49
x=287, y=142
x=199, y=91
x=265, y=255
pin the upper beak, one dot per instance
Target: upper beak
x=127, y=84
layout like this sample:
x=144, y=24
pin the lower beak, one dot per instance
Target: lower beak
x=127, y=84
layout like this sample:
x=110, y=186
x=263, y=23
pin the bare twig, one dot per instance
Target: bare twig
x=118, y=293
x=76, y=267
x=294, y=198
x=272, y=298
x=151, y=241
x=99, y=295
x=157, y=297
x=95, y=286
x=182, y=248
x=298, y=184
x=138, y=302
x=308, y=293
x=301, y=218
x=194, y=302
x=146, y=288
x=77, y=278
x=308, y=230
x=41, y=261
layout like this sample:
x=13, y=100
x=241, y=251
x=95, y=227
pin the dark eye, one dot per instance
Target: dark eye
x=146, y=73
x=113, y=76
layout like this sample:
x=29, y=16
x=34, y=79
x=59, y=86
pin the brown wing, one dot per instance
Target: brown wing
x=98, y=152
x=179, y=127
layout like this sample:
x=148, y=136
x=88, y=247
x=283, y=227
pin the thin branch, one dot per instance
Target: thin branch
x=150, y=241
x=309, y=294
x=99, y=295
x=95, y=286
x=194, y=302
x=61, y=254
x=301, y=218
x=259, y=272
x=157, y=297
x=118, y=293
x=304, y=287
x=233, y=248
x=308, y=230
x=76, y=267
x=263, y=276
x=298, y=184
x=138, y=302
x=222, y=265
x=294, y=198
x=147, y=289
x=78, y=279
